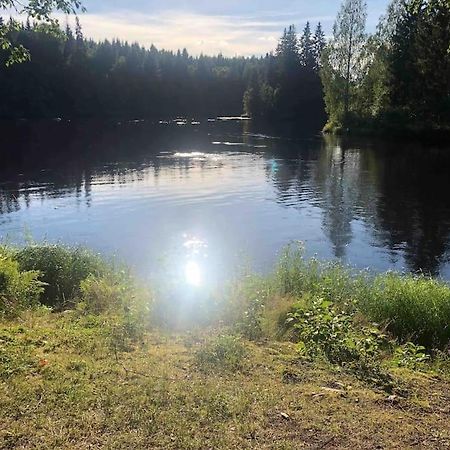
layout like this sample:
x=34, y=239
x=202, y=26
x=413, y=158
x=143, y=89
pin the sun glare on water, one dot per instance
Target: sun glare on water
x=193, y=274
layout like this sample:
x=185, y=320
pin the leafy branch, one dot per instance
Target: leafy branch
x=40, y=10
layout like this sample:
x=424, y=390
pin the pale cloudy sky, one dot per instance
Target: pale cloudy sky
x=233, y=27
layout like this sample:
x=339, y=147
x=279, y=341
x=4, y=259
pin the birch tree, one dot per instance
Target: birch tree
x=346, y=53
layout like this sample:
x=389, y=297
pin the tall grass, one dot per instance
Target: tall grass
x=62, y=268
x=415, y=308
x=412, y=308
x=296, y=275
x=63, y=277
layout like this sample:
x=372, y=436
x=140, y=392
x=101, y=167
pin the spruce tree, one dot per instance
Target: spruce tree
x=318, y=46
x=287, y=51
x=78, y=31
x=307, y=48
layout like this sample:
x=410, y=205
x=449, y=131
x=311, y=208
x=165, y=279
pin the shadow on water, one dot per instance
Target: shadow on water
x=391, y=195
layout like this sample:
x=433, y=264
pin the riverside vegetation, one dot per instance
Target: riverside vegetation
x=312, y=356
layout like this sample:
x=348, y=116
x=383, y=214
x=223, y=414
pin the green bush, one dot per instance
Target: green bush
x=323, y=330
x=18, y=289
x=101, y=294
x=411, y=356
x=250, y=325
x=222, y=353
x=62, y=270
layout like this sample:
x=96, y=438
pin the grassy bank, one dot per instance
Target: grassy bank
x=312, y=356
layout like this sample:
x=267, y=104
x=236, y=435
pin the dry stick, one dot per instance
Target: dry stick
x=320, y=447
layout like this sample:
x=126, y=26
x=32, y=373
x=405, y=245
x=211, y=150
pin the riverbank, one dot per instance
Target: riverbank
x=313, y=355
x=385, y=129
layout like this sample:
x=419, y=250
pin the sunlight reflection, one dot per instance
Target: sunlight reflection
x=195, y=251
x=193, y=274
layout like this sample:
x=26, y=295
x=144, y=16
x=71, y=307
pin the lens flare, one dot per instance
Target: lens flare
x=193, y=273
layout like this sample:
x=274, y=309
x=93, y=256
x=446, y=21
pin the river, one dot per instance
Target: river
x=207, y=199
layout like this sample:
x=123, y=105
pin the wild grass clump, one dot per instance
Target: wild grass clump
x=62, y=270
x=296, y=275
x=415, y=308
x=125, y=306
x=225, y=352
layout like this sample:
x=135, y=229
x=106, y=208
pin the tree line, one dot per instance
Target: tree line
x=74, y=77
x=395, y=79
x=68, y=75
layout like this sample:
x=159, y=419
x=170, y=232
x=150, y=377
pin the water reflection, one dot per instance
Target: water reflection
x=195, y=254
x=371, y=203
x=193, y=274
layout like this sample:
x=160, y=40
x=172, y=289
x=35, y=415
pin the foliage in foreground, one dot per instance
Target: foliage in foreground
x=76, y=280
x=362, y=323
x=18, y=289
x=64, y=386
x=410, y=307
x=37, y=9
x=354, y=320
x=112, y=382
x=62, y=270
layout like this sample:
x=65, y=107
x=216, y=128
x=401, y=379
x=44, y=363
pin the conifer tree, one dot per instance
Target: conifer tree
x=287, y=51
x=318, y=46
x=307, y=48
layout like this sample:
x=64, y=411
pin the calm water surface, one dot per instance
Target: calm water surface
x=199, y=201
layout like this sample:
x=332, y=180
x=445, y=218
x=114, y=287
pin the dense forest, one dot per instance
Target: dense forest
x=287, y=85
x=74, y=77
x=395, y=79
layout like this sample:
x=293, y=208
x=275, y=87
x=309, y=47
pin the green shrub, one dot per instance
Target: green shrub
x=18, y=289
x=62, y=268
x=321, y=329
x=411, y=356
x=250, y=324
x=413, y=308
x=222, y=353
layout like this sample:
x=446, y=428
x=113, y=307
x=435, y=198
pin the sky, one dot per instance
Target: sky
x=230, y=27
